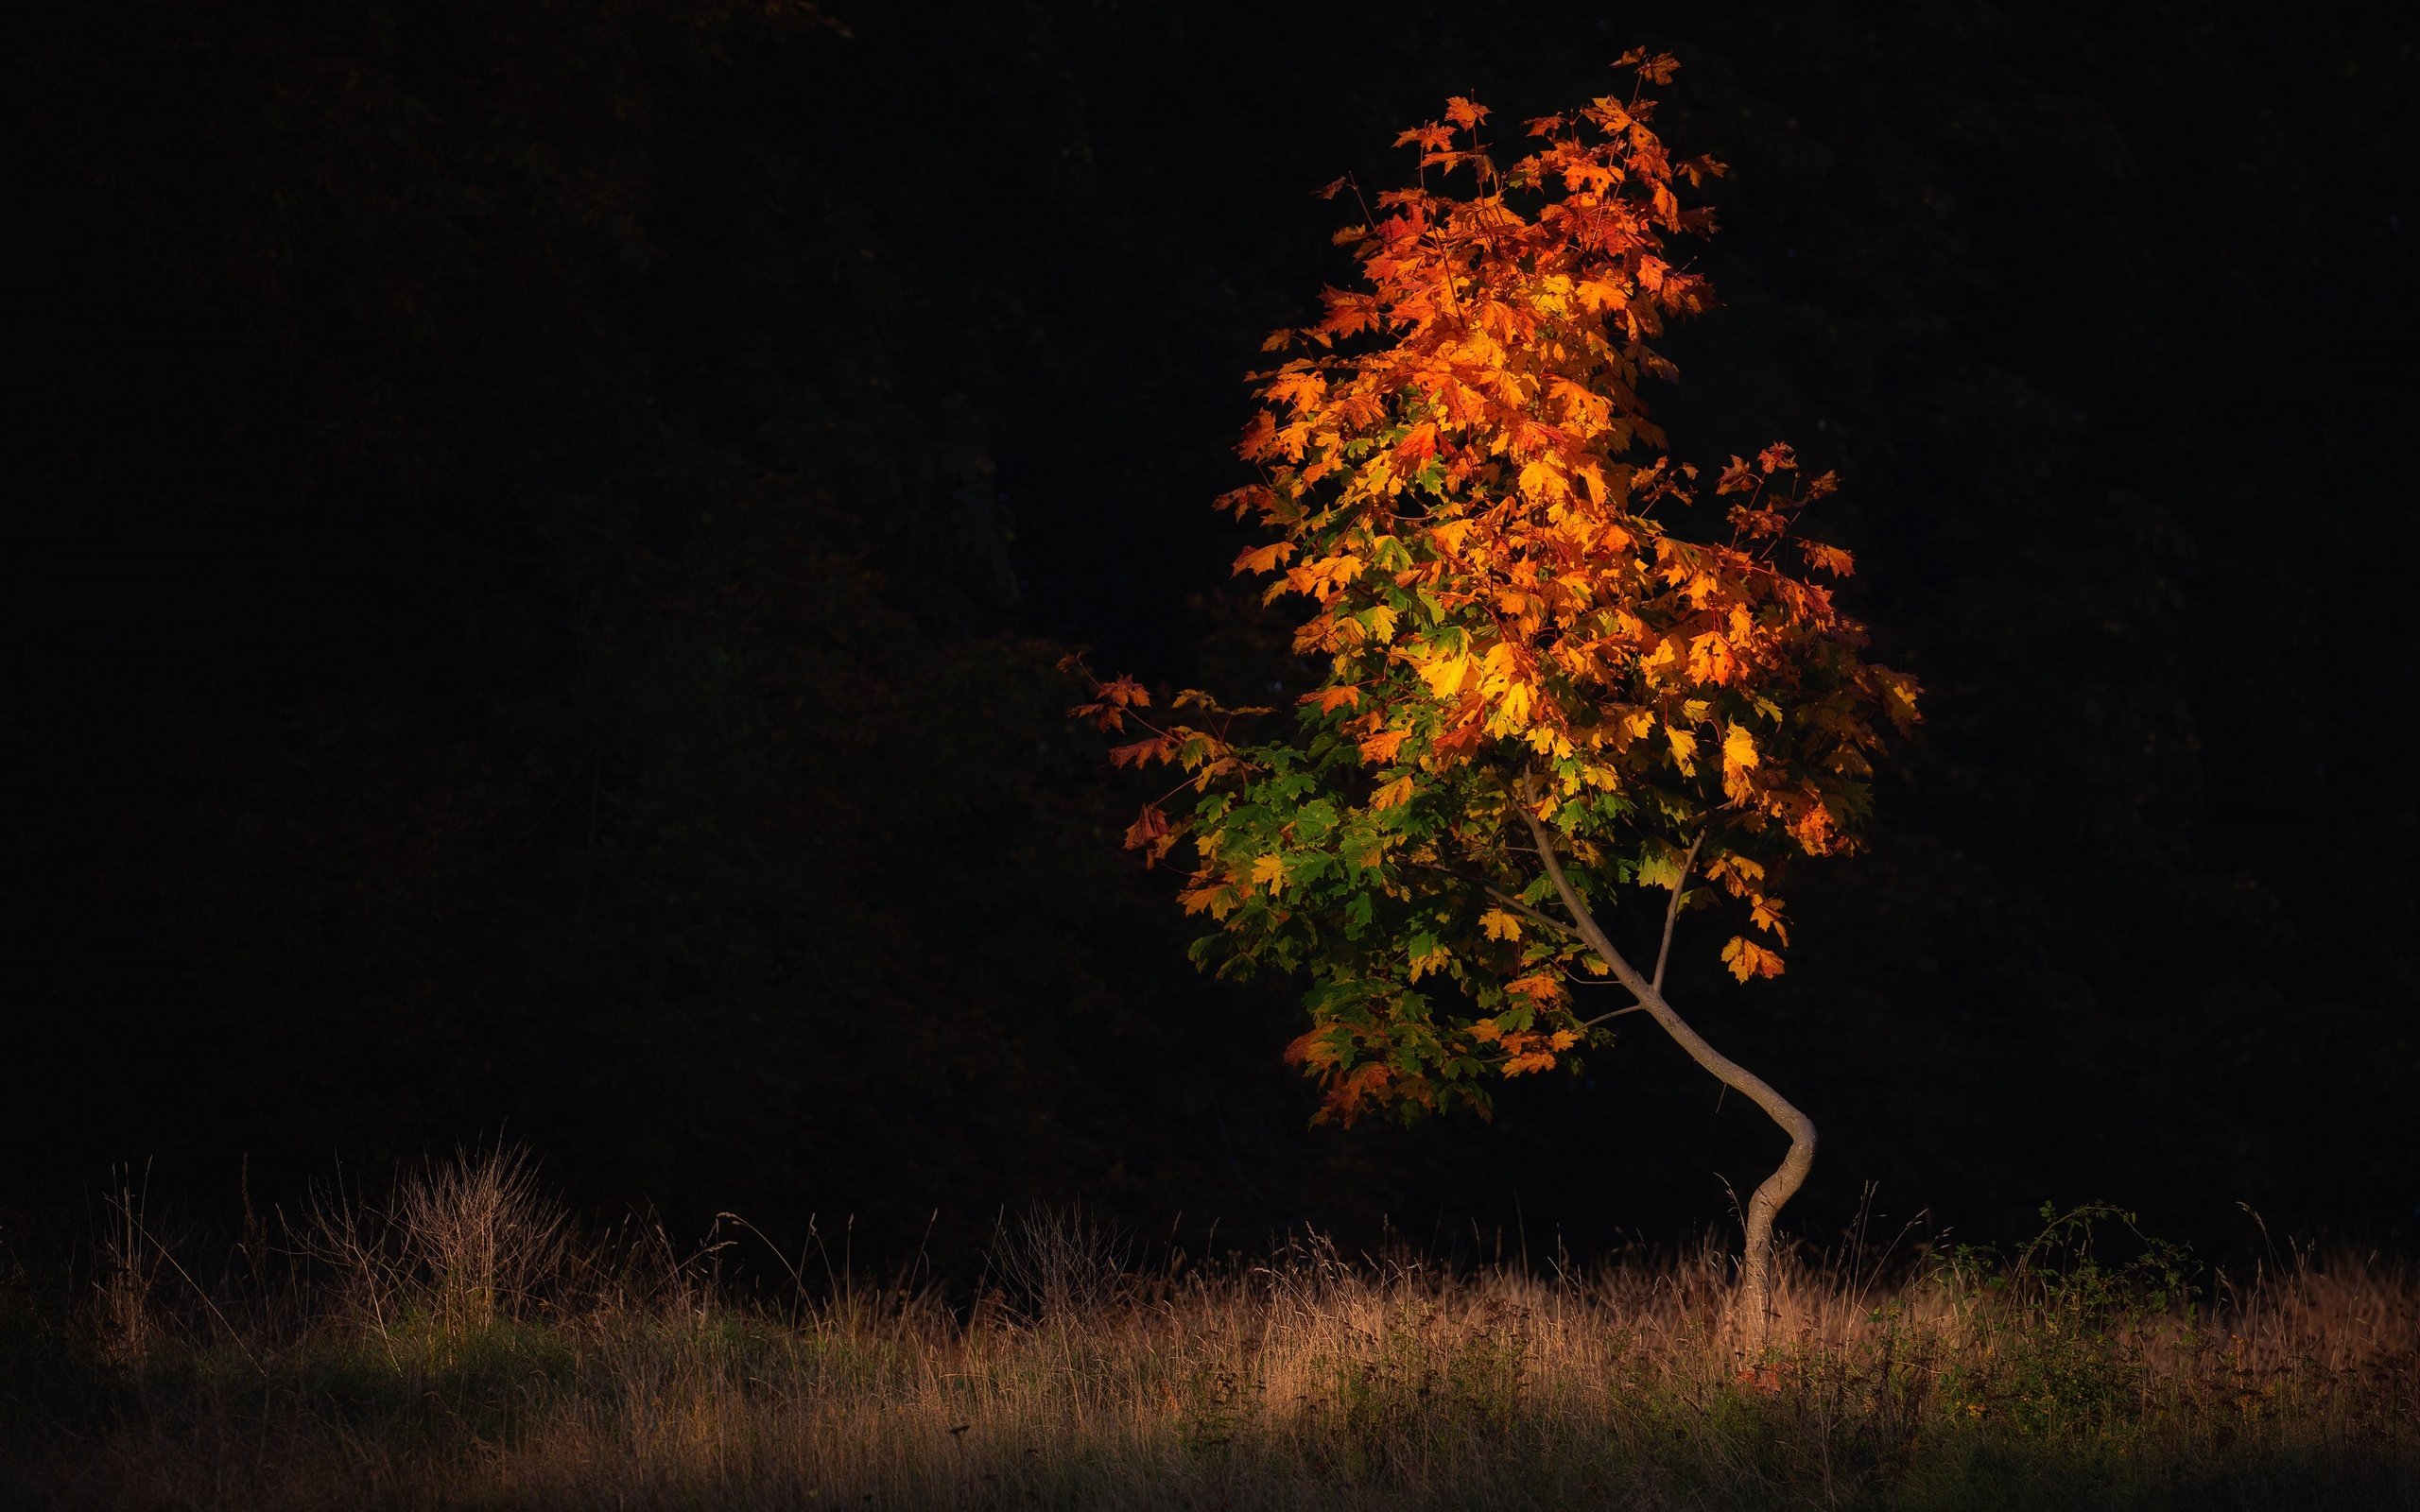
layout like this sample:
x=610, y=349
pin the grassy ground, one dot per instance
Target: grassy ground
x=464, y=1348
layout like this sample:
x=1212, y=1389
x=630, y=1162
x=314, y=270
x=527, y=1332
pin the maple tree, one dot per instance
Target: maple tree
x=1535, y=689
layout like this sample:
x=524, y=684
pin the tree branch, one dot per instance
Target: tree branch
x=1756, y=1260
x=1591, y=1024
x=1672, y=913
x=1542, y=921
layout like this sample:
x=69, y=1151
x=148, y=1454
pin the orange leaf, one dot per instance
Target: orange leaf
x=1155, y=748
x=1747, y=958
x=1380, y=749
x=1542, y=987
x=1264, y=558
x=1311, y=1048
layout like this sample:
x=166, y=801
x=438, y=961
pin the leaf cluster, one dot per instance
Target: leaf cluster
x=1461, y=482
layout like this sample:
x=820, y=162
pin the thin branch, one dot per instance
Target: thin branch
x=1672, y=912
x=1636, y=1007
x=1526, y=912
x=1544, y=920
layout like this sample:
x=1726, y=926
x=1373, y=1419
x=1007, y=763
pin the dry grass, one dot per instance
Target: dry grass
x=462, y=1347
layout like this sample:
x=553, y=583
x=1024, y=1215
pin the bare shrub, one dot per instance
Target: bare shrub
x=458, y=1243
x=480, y=1236
x=1058, y=1263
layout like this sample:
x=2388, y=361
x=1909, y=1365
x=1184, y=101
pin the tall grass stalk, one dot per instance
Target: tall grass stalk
x=461, y=1345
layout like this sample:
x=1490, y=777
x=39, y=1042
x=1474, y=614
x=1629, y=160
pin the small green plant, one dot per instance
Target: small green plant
x=2065, y=1330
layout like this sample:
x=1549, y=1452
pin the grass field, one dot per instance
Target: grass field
x=462, y=1346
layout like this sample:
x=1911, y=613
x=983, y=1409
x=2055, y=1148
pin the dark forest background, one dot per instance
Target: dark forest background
x=542, y=530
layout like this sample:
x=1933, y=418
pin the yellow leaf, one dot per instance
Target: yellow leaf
x=1747, y=958
x=1269, y=871
x=1445, y=675
x=1685, y=750
x=1321, y=578
x=1735, y=871
x=1516, y=704
x=1499, y=924
x=1393, y=793
x=1765, y=913
x=1710, y=660
x=1549, y=741
x=1660, y=869
x=1540, y=480
x=1738, y=757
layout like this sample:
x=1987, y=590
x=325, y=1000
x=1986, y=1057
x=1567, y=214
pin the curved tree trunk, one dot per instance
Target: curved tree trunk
x=1756, y=1260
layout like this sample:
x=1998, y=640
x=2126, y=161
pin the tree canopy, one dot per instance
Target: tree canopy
x=1513, y=623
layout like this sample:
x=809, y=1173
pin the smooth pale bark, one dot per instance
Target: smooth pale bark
x=1755, y=1261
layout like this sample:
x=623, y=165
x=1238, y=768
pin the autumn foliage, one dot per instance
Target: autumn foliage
x=1521, y=608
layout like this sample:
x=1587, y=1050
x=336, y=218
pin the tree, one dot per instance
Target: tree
x=1533, y=689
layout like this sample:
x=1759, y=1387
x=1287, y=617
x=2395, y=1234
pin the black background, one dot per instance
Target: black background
x=541, y=529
